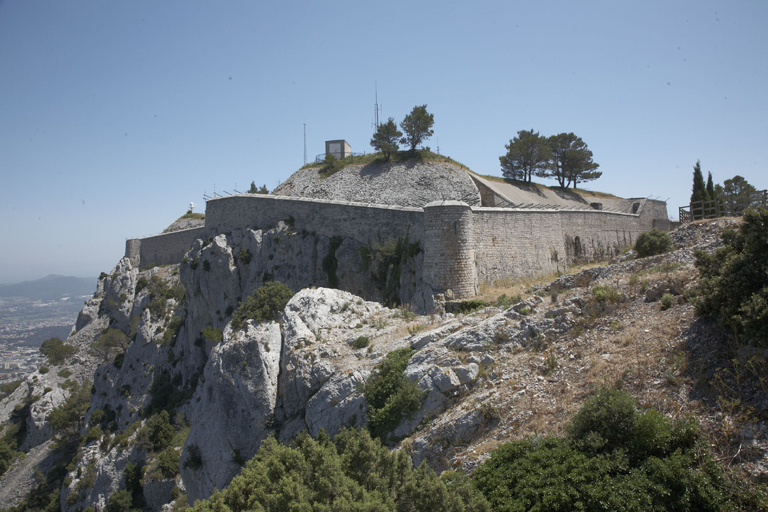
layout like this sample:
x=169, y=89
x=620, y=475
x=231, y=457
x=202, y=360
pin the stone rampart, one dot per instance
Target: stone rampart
x=163, y=249
x=463, y=246
x=366, y=223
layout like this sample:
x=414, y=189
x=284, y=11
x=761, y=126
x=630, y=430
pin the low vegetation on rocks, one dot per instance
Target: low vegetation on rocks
x=263, y=305
x=351, y=473
x=653, y=242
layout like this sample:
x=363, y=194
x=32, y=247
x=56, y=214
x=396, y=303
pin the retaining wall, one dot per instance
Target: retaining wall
x=163, y=249
x=362, y=222
x=463, y=246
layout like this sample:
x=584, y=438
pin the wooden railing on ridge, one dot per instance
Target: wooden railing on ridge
x=722, y=206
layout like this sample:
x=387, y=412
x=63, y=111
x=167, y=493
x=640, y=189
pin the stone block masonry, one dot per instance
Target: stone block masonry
x=449, y=248
x=463, y=246
x=163, y=249
x=366, y=223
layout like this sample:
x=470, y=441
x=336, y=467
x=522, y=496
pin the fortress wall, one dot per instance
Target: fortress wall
x=164, y=249
x=513, y=243
x=653, y=213
x=362, y=222
x=593, y=235
x=449, y=248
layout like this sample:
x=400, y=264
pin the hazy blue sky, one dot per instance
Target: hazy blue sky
x=114, y=115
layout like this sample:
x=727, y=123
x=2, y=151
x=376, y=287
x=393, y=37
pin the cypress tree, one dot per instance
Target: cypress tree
x=699, y=188
x=710, y=187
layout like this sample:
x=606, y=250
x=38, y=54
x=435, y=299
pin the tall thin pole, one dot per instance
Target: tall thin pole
x=376, y=107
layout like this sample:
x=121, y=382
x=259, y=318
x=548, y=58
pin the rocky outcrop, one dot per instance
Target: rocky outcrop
x=411, y=183
x=234, y=410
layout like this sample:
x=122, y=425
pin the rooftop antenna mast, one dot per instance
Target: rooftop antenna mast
x=376, y=107
x=305, y=143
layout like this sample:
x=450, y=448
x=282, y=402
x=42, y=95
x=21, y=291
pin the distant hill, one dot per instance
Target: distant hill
x=52, y=287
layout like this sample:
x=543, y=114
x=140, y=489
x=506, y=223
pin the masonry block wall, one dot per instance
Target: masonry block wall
x=463, y=246
x=164, y=249
x=362, y=222
x=517, y=243
x=449, y=248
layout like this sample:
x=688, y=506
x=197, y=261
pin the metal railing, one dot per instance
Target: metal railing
x=722, y=206
x=319, y=158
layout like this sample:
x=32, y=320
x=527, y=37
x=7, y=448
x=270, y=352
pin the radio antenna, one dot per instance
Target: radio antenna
x=376, y=107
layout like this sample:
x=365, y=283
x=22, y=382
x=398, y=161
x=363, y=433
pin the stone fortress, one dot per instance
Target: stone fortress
x=471, y=230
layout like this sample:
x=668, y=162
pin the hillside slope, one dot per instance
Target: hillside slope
x=409, y=183
x=502, y=373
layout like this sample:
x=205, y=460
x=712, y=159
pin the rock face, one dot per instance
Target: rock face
x=236, y=405
x=412, y=183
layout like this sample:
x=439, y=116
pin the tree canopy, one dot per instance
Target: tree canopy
x=528, y=155
x=417, y=126
x=563, y=157
x=571, y=160
x=258, y=190
x=352, y=473
x=386, y=138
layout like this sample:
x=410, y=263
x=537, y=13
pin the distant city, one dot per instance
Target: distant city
x=32, y=312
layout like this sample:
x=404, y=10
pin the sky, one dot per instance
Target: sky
x=115, y=115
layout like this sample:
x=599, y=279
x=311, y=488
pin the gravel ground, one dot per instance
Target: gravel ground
x=411, y=183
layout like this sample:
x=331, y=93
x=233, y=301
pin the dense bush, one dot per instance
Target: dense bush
x=361, y=342
x=613, y=458
x=734, y=280
x=354, y=473
x=56, y=351
x=391, y=397
x=653, y=242
x=263, y=305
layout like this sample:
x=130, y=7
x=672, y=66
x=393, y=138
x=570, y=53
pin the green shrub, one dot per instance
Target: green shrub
x=608, y=414
x=213, y=334
x=263, y=305
x=653, y=242
x=468, y=306
x=245, y=256
x=44, y=369
x=65, y=373
x=94, y=434
x=614, y=458
x=120, y=501
x=391, y=397
x=667, y=300
x=157, y=433
x=142, y=283
x=352, y=473
x=9, y=387
x=606, y=294
x=56, y=351
x=169, y=336
x=361, y=342
x=97, y=416
x=506, y=302
x=734, y=280
x=168, y=462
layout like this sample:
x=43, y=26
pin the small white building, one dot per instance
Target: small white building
x=338, y=148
